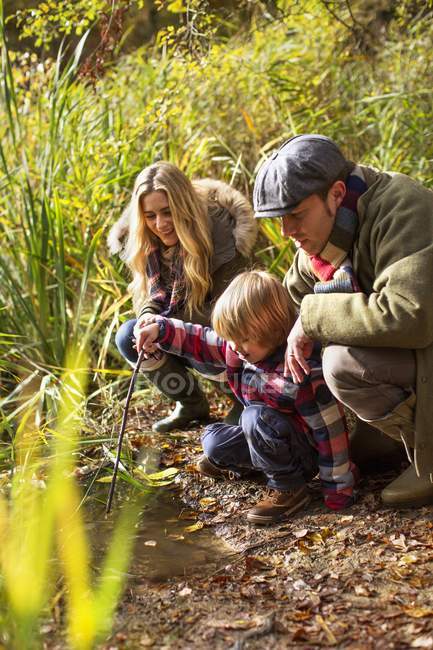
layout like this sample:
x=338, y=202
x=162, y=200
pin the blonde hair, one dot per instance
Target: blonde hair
x=255, y=304
x=189, y=212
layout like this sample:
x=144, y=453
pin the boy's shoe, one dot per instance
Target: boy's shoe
x=205, y=466
x=278, y=505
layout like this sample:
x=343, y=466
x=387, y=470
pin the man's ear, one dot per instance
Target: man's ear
x=336, y=193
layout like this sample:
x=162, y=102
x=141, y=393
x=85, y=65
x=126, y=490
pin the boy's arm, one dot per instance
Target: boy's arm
x=195, y=342
x=325, y=418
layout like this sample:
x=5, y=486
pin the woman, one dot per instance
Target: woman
x=185, y=242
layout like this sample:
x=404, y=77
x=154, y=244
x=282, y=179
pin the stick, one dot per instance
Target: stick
x=122, y=430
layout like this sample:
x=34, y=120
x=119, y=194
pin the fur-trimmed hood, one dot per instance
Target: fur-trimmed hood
x=245, y=230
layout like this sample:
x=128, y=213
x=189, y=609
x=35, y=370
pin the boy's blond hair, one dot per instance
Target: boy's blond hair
x=255, y=305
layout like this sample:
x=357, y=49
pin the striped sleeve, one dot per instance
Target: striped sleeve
x=200, y=344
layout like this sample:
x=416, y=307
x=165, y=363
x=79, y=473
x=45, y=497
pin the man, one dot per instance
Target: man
x=375, y=319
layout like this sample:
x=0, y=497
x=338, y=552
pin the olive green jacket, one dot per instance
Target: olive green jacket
x=393, y=261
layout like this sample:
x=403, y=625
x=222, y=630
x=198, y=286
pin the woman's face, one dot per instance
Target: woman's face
x=158, y=217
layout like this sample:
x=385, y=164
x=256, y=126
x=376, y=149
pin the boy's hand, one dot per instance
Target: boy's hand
x=145, y=319
x=145, y=336
x=299, y=348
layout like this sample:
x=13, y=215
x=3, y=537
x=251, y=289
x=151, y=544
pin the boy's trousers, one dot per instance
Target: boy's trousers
x=265, y=440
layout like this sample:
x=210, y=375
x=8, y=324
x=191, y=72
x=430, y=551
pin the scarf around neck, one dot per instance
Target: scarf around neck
x=170, y=296
x=333, y=266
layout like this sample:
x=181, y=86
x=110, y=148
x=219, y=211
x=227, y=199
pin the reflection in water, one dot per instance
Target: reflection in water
x=163, y=547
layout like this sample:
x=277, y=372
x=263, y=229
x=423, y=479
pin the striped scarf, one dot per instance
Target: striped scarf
x=169, y=296
x=333, y=266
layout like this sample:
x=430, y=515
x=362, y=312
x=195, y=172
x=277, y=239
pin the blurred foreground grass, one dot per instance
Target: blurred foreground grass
x=41, y=520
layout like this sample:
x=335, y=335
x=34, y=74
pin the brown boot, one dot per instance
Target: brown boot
x=278, y=505
x=206, y=467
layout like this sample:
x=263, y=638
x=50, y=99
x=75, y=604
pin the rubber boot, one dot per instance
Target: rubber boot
x=372, y=450
x=236, y=407
x=175, y=382
x=408, y=490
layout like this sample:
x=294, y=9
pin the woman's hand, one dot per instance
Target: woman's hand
x=299, y=348
x=146, y=333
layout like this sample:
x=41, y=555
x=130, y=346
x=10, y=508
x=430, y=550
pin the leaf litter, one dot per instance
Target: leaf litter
x=361, y=578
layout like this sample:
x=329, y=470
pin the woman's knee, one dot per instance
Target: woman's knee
x=125, y=340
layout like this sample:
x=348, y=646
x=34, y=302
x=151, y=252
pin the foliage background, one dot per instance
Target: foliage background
x=212, y=95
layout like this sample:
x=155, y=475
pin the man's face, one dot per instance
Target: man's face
x=310, y=224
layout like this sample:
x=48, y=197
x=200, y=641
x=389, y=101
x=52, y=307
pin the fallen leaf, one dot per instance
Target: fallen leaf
x=186, y=591
x=347, y=519
x=239, y=624
x=197, y=526
x=328, y=632
x=300, y=533
x=150, y=542
x=418, y=612
x=302, y=616
x=316, y=538
x=300, y=584
x=398, y=542
x=252, y=562
x=409, y=558
x=422, y=642
x=207, y=501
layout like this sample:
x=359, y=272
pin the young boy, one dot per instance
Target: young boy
x=287, y=431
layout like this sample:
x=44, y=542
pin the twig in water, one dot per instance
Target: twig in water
x=122, y=429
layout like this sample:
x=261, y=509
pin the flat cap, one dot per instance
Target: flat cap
x=302, y=166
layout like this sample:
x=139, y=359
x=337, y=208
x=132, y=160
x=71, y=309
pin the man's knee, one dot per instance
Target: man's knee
x=337, y=362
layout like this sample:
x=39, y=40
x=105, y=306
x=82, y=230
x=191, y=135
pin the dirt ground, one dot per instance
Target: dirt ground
x=361, y=578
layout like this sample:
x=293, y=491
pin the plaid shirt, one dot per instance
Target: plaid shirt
x=311, y=404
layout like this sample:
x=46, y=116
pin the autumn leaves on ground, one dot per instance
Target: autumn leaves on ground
x=355, y=579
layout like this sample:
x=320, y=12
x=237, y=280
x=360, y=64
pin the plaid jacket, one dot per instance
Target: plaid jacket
x=310, y=404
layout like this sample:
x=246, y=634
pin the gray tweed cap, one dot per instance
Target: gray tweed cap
x=303, y=165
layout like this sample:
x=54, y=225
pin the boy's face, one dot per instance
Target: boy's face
x=250, y=350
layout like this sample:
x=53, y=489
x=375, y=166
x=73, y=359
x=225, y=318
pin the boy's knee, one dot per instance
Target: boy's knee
x=249, y=418
x=210, y=439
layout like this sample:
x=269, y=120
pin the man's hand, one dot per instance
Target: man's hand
x=145, y=336
x=299, y=348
